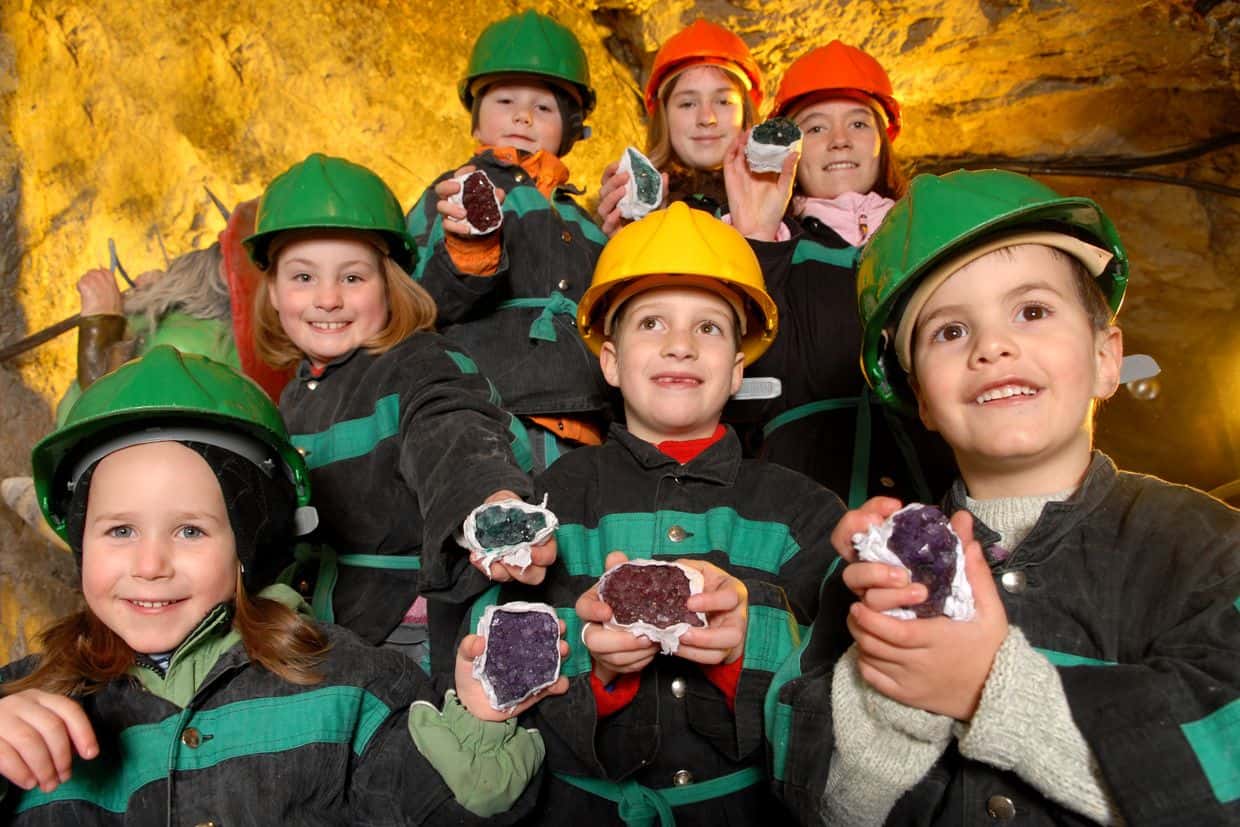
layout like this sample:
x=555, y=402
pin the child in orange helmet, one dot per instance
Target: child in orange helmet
x=807, y=230
x=704, y=90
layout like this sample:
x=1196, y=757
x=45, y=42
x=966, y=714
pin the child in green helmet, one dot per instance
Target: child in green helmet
x=400, y=429
x=1100, y=677
x=190, y=688
x=507, y=293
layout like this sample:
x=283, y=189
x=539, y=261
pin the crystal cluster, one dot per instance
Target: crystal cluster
x=770, y=142
x=644, y=190
x=497, y=526
x=482, y=209
x=924, y=541
x=778, y=131
x=522, y=654
x=649, y=594
x=920, y=538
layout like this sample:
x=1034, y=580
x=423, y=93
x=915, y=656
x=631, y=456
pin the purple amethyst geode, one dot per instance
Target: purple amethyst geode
x=920, y=538
x=522, y=654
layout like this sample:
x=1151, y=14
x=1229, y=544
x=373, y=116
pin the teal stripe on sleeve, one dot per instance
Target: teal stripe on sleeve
x=263, y=726
x=353, y=437
x=766, y=546
x=771, y=636
x=1215, y=740
x=807, y=250
x=466, y=365
x=1069, y=659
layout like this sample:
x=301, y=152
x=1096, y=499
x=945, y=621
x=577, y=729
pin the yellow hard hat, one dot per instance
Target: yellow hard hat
x=680, y=247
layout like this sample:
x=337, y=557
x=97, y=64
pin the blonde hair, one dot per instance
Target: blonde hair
x=410, y=310
x=81, y=654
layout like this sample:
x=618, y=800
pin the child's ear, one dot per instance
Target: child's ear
x=738, y=372
x=1108, y=359
x=609, y=361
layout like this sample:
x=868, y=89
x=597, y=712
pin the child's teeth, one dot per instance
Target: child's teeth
x=152, y=604
x=1004, y=392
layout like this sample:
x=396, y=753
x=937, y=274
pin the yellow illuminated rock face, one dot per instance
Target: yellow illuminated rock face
x=117, y=114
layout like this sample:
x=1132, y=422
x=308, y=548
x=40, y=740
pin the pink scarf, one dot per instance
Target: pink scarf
x=852, y=215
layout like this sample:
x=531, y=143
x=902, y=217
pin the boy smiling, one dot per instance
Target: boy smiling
x=1100, y=678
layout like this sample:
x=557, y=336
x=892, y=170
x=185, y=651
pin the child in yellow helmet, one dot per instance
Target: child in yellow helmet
x=676, y=309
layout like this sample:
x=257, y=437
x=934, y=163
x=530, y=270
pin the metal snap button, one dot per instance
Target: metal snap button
x=312, y=384
x=566, y=237
x=519, y=177
x=887, y=482
x=1000, y=808
x=678, y=687
x=1014, y=582
x=682, y=777
x=191, y=737
x=676, y=534
x=562, y=284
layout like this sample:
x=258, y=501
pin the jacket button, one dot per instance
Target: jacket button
x=191, y=738
x=1014, y=582
x=682, y=777
x=519, y=177
x=678, y=687
x=887, y=482
x=562, y=284
x=676, y=534
x=1000, y=808
x=312, y=384
x=566, y=237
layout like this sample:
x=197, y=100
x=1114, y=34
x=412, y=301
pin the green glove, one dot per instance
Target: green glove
x=486, y=764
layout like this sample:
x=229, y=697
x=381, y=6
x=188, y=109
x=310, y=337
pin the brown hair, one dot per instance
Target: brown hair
x=82, y=655
x=410, y=310
x=658, y=136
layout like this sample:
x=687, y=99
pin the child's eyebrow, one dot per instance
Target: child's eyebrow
x=1030, y=287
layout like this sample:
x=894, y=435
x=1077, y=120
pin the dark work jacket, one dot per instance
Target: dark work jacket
x=254, y=749
x=401, y=446
x=816, y=357
x=763, y=524
x=547, y=247
x=1131, y=589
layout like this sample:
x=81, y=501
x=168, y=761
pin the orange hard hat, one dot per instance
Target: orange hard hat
x=838, y=67
x=708, y=43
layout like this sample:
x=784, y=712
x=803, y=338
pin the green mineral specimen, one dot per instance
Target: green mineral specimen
x=645, y=178
x=777, y=131
x=499, y=526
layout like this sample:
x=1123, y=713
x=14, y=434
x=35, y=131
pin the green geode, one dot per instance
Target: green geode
x=777, y=131
x=645, y=178
x=499, y=526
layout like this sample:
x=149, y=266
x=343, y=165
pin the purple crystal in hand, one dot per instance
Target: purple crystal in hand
x=523, y=653
x=924, y=541
x=652, y=594
x=478, y=198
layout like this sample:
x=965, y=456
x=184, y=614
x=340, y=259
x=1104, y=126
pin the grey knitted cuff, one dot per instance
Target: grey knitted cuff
x=1023, y=723
x=876, y=756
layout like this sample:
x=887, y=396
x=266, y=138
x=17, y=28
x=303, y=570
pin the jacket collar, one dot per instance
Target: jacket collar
x=547, y=172
x=719, y=463
x=1057, y=518
x=305, y=371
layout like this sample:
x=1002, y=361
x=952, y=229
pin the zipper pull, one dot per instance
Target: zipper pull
x=863, y=226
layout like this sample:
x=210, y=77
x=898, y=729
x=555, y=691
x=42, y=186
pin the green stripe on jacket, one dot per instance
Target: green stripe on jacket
x=262, y=726
x=755, y=544
x=351, y=438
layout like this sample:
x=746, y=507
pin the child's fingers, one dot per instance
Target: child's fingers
x=608, y=172
x=872, y=512
x=14, y=768
x=40, y=748
x=880, y=600
x=721, y=600
x=472, y=646
x=531, y=575
x=901, y=634
x=447, y=187
x=591, y=609
x=465, y=170
x=75, y=722
x=544, y=555
x=720, y=640
x=614, y=559
x=859, y=577
x=603, y=641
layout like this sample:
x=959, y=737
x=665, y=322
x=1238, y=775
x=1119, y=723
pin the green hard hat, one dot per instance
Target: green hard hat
x=529, y=43
x=323, y=192
x=944, y=216
x=166, y=394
